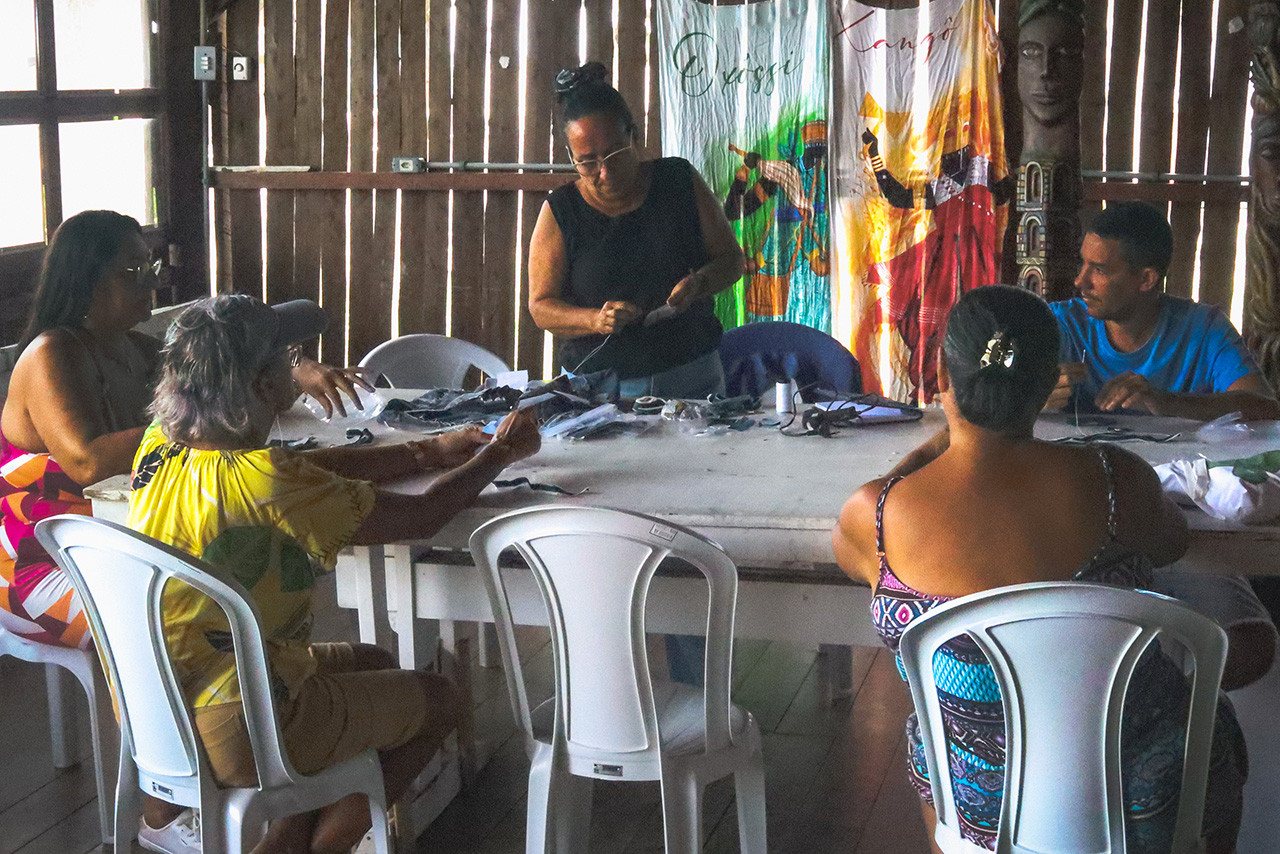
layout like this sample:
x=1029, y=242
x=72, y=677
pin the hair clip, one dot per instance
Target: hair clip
x=1000, y=351
x=569, y=79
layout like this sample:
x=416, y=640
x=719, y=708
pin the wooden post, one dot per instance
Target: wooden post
x=1262, y=249
x=1050, y=77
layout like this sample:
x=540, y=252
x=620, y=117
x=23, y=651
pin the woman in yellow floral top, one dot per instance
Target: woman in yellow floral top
x=205, y=482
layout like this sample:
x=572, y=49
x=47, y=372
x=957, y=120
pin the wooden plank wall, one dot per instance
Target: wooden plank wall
x=346, y=85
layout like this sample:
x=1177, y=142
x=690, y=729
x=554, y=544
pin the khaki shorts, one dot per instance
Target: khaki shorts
x=337, y=713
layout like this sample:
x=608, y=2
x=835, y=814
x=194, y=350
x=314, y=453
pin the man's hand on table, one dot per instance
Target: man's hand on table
x=1069, y=377
x=1132, y=391
x=325, y=383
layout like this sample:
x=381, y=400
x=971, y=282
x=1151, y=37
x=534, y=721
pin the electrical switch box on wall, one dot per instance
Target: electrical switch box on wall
x=206, y=62
x=241, y=68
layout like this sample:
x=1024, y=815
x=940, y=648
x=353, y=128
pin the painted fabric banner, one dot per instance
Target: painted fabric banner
x=743, y=93
x=921, y=187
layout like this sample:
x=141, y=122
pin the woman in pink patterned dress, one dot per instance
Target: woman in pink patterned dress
x=76, y=408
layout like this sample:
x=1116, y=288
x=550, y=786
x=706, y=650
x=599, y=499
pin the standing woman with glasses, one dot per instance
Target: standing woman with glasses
x=76, y=406
x=624, y=261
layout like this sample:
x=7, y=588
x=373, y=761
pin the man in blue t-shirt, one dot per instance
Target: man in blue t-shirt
x=1128, y=345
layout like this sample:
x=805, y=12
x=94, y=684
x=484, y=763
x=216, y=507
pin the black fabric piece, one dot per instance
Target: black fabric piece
x=540, y=487
x=638, y=257
x=1116, y=434
x=359, y=436
x=306, y=444
x=827, y=423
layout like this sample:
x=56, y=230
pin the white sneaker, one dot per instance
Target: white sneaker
x=180, y=836
x=366, y=845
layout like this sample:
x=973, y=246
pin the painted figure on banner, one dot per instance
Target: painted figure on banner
x=1262, y=252
x=1050, y=77
x=788, y=250
x=919, y=216
x=743, y=94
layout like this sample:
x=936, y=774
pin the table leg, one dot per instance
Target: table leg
x=398, y=567
x=361, y=564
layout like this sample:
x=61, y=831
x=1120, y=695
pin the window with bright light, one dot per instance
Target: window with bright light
x=79, y=119
x=107, y=165
x=22, y=214
x=102, y=44
x=18, y=47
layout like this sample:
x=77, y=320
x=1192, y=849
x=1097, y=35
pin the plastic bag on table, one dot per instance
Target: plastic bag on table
x=1244, y=490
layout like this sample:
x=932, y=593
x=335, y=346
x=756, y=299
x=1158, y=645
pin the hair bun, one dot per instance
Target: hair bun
x=570, y=79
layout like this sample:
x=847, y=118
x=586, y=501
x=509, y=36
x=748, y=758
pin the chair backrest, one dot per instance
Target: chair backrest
x=424, y=360
x=1063, y=654
x=120, y=576
x=757, y=355
x=593, y=566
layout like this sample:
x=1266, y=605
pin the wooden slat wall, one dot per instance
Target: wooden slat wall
x=1193, y=137
x=240, y=222
x=348, y=85
x=330, y=226
x=552, y=46
x=1226, y=140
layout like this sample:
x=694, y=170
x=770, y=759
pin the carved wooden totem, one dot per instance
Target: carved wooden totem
x=1050, y=75
x=1262, y=258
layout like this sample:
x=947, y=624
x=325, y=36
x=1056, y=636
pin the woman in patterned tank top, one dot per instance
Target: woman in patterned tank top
x=985, y=504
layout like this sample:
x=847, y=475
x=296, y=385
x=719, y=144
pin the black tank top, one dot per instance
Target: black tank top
x=638, y=256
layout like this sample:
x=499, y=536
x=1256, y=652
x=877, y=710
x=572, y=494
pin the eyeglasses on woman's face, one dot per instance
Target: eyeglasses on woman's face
x=589, y=166
x=147, y=273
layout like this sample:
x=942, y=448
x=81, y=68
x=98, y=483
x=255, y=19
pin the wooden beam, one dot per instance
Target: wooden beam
x=1159, y=194
x=24, y=108
x=184, y=205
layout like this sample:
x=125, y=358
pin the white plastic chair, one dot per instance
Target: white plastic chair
x=1063, y=654
x=424, y=360
x=83, y=664
x=607, y=720
x=120, y=575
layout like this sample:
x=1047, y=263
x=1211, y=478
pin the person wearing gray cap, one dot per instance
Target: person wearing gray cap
x=280, y=518
x=76, y=403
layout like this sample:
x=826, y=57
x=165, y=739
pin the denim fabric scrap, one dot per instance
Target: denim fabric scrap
x=441, y=408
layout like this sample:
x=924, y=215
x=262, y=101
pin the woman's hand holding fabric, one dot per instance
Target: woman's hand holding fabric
x=518, y=435
x=455, y=448
x=614, y=315
x=687, y=290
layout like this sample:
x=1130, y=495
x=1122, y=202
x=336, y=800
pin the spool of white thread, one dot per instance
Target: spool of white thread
x=785, y=397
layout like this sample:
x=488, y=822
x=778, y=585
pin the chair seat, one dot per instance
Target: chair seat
x=680, y=719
